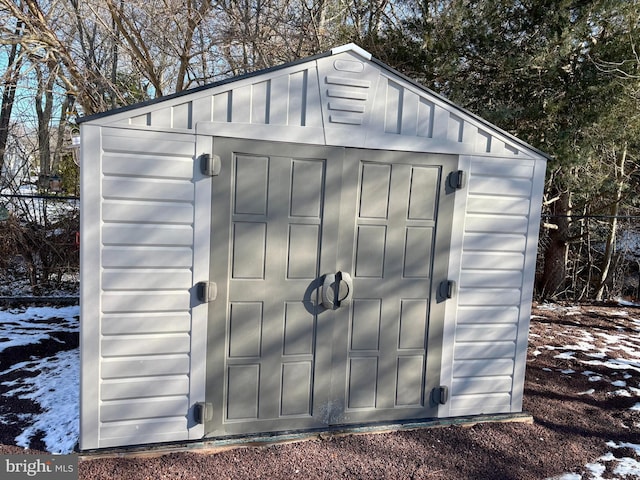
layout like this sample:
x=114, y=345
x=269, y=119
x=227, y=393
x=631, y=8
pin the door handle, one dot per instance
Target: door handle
x=337, y=290
x=343, y=278
x=328, y=292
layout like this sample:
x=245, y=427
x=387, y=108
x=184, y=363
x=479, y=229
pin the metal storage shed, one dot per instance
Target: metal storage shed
x=322, y=243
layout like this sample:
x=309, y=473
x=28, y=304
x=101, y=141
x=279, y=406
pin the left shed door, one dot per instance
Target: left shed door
x=274, y=218
x=137, y=258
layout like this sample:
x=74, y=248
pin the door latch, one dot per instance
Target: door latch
x=337, y=290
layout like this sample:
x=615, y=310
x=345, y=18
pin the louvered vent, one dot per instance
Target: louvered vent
x=347, y=95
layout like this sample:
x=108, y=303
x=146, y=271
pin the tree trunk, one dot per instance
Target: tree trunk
x=44, y=111
x=8, y=96
x=556, y=253
x=63, y=122
x=613, y=224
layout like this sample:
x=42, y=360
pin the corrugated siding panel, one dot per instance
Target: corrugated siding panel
x=151, y=235
x=148, y=344
x=484, y=315
x=473, y=368
x=480, y=403
x=146, y=256
x=146, y=276
x=486, y=333
x=119, y=410
x=150, y=430
x=481, y=350
x=482, y=385
x=150, y=279
x=145, y=366
x=147, y=189
x=141, y=387
x=501, y=242
x=496, y=233
x=135, y=323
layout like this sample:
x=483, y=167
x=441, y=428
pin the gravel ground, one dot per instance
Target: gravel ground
x=584, y=423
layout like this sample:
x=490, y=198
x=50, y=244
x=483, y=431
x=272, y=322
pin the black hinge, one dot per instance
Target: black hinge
x=203, y=412
x=440, y=395
x=210, y=165
x=455, y=180
x=206, y=291
x=446, y=289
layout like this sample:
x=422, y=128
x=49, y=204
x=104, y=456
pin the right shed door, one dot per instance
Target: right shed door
x=395, y=226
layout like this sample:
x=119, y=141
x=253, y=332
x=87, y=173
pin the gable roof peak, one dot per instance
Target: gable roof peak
x=351, y=47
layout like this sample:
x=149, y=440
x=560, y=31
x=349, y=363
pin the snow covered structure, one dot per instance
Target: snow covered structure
x=317, y=244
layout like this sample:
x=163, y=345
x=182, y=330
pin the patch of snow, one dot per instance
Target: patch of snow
x=56, y=390
x=609, y=338
x=627, y=467
x=624, y=467
x=35, y=324
x=596, y=355
x=620, y=393
x=615, y=364
x=591, y=391
x=566, y=476
x=566, y=356
x=619, y=383
x=580, y=346
x=595, y=469
x=626, y=303
x=595, y=378
x=636, y=407
x=633, y=446
x=55, y=385
x=552, y=307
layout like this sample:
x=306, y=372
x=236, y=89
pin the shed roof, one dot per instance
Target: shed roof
x=340, y=97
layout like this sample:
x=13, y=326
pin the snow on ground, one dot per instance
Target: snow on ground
x=606, y=350
x=24, y=327
x=51, y=382
x=56, y=390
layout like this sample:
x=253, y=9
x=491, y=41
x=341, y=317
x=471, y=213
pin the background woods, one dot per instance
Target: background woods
x=563, y=75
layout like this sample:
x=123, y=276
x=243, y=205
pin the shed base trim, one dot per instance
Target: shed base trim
x=262, y=440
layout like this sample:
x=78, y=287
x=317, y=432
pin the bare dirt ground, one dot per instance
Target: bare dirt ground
x=576, y=399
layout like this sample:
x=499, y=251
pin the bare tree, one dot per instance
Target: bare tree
x=10, y=83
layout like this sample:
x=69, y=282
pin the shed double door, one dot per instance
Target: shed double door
x=326, y=268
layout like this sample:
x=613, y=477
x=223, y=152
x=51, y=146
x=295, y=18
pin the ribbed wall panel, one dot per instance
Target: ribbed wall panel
x=494, y=244
x=146, y=277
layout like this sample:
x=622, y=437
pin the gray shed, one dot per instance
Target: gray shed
x=325, y=243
